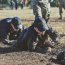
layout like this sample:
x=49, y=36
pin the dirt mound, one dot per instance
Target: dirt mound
x=25, y=58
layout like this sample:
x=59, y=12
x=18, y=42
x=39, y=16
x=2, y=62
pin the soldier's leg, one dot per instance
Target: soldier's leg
x=60, y=12
x=46, y=11
x=43, y=10
x=37, y=11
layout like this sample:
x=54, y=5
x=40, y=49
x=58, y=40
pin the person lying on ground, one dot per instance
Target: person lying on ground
x=29, y=36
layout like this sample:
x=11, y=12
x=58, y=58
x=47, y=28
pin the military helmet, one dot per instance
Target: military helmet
x=17, y=22
x=40, y=23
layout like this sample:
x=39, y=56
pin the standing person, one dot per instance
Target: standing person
x=41, y=8
x=60, y=8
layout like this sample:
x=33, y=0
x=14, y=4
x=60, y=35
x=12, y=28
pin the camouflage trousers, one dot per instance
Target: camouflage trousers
x=42, y=10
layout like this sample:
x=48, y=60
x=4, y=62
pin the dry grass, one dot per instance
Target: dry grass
x=23, y=14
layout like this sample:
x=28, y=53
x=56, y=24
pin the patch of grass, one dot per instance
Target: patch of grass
x=26, y=24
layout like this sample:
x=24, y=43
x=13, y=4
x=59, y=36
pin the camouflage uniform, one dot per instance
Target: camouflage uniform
x=6, y=28
x=26, y=40
x=41, y=8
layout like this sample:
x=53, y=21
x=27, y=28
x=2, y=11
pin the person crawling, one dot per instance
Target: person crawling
x=10, y=28
x=28, y=36
x=36, y=36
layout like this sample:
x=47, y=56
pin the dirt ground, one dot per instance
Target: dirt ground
x=9, y=56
